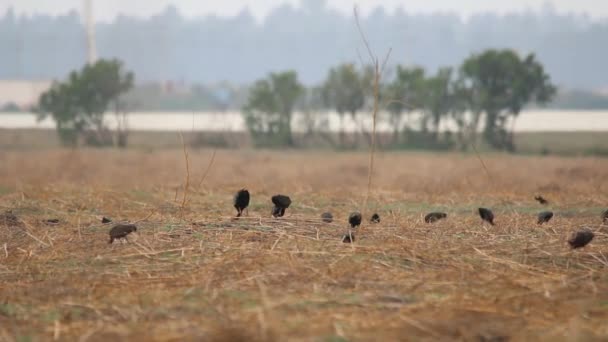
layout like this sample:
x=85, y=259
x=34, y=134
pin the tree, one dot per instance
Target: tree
x=122, y=107
x=269, y=109
x=78, y=105
x=404, y=95
x=438, y=100
x=315, y=119
x=10, y=107
x=500, y=85
x=466, y=121
x=344, y=90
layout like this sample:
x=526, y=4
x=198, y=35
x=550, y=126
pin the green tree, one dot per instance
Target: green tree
x=466, y=122
x=269, y=109
x=404, y=95
x=500, y=85
x=78, y=105
x=344, y=90
x=438, y=101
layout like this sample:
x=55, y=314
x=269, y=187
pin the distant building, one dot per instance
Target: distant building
x=22, y=93
x=602, y=91
x=176, y=88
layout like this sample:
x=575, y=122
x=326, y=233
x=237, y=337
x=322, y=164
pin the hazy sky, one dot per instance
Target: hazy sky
x=107, y=9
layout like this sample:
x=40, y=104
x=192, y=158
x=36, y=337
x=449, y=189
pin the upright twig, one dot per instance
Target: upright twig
x=481, y=160
x=378, y=71
x=187, y=184
x=208, y=168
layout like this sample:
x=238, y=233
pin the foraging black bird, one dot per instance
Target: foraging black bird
x=348, y=238
x=121, y=231
x=354, y=219
x=281, y=203
x=540, y=199
x=375, y=218
x=434, y=217
x=486, y=215
x=581, y=238
x=545, y=217
x=327, y=217
x=605, y=216
x=105, y=220
x=241, y=201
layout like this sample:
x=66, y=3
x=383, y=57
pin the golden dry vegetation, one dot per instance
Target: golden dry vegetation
x=192, y=272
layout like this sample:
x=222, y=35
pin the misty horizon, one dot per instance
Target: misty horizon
x=109, y=11
x=239, y=49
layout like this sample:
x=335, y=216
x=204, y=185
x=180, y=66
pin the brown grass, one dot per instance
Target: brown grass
x=208, y=277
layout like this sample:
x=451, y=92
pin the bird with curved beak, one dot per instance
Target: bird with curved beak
x=281, y=203
x=355, y=221
x=544, y=217
x=241, y=201
x=434, y=217
x=580, y=238
x=486, y=215
x=121, y=231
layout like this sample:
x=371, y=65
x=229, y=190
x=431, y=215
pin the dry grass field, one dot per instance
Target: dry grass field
x=193, y=273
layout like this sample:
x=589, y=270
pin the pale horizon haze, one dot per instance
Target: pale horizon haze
x=106, y=10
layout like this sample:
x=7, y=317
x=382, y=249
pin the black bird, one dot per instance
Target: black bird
x=486, y=215
x=540, y=199
x=327, y=217
x=605, y=216
x=545, y=217
x=281, y=203
x=581, y=238
x=121, y=231
x=375, y=218
x=105, y=220
x=241, y=201
x=348, y=238
x=434, y=217
x=354, y=219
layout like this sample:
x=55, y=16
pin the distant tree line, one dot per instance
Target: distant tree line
x=309, y=38
x=490, y=88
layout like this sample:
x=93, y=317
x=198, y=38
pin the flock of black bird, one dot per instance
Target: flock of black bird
x=281, y=203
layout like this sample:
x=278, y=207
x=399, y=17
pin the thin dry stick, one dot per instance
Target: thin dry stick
x=373, y=148
x=481, y=160
x=56, y=330
x=79, y=230
x=363, y=37
x=187, y=185
x=26, y=231
x=208, y=168
x=378, y=71
x=145, y=218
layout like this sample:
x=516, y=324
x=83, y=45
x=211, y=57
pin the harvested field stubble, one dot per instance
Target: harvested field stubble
x=196, y=273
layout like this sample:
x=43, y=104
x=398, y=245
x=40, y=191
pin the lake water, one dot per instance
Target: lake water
x=529, y=121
